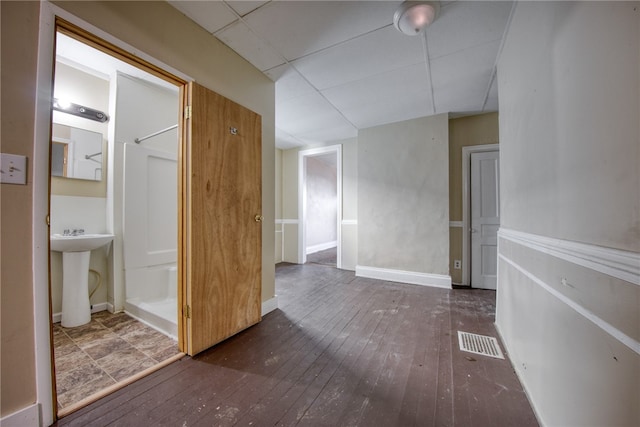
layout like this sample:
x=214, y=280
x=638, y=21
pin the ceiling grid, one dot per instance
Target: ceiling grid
x=342, y=66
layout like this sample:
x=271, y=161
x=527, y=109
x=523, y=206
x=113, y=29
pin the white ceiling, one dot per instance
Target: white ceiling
x=340, y=66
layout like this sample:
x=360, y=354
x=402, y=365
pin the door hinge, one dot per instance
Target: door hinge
x=186, y=312
x=187, y=112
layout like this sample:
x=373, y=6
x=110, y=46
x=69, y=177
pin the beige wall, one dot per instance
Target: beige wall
x=403, y=196
x=463, y=132
x=18, y=75
x=568, y=294
x=160, y=31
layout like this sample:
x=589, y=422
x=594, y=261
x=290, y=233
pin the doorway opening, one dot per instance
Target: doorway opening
x=131, y=195
x=480, y=215
x=320, y=205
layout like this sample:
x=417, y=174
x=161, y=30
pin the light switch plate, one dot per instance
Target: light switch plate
x=13, y=169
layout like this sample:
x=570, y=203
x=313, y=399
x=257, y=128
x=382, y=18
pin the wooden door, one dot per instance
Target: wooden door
x=485, y=219
x=222, y=219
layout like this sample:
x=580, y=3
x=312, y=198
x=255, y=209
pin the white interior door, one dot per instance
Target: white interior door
x=485, y=218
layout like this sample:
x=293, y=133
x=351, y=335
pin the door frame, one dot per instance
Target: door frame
x=302, y=191
x=466, y=206
x=43, y=358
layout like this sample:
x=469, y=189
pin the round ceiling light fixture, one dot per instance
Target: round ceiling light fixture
x=412, y=17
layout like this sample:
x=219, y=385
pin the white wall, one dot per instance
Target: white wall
x=141, y=108
x=322, y=204
x=403, y=197
x=568, y=294
x=81, y=88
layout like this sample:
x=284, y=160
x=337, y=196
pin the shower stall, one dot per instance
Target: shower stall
x=145, y=202
x=150, y=236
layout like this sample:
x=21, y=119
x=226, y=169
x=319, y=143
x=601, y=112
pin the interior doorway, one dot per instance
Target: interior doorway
x=126, y=336
x=320, y=205
x=480, y=215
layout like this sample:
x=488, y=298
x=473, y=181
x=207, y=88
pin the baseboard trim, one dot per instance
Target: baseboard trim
x=624, y=265
x=269, y=305
x=95, y=308
x=321, y=247
x=28, y=416
x=401, y=276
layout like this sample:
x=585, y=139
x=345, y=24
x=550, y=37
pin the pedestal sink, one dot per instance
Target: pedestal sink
x=76, y=251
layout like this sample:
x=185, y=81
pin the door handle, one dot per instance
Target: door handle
x=259, y=218
x=472, y=230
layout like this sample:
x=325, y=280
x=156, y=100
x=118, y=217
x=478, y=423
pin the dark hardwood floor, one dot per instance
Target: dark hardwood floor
x=339, y=351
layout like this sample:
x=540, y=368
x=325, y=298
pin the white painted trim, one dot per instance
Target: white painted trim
x=616, y=263
x=95, y=308
x=321, y=247
x=401, y=276
x=287, y=221
x=349, y=222
x=588, y=314
x=302, y=195
x=466, y=206
x=28, y=416
x=269, y=305
x=455, y=224
x=40, y=167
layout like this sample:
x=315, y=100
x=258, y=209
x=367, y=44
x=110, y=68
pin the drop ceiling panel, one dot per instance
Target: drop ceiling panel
x=300, y=28
x=291, y=85
x=374, y=53
x=285, y=141
x=255, y=50
x=245, y=6
x=391, y=96
x=464, y=24
x=461, y=80
x=334, y=133
x=210, y=15
x=306, y=113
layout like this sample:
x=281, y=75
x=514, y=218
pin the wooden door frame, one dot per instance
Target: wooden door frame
x=302, y=209
x=466, y=206
x=45, y=408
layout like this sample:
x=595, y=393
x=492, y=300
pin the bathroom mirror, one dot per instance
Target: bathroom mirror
x=76, y=153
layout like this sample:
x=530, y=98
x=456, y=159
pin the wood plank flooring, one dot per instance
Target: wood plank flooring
x=339, y=351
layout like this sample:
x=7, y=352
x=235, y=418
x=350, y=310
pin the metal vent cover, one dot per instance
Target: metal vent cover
x=479, y=344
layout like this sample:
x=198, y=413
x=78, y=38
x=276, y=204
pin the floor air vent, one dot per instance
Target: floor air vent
x=479, y=344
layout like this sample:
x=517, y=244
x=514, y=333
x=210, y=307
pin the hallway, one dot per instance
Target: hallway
x=340, y=350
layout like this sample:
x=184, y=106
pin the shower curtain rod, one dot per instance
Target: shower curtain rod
x=91, y=157
x=139, y=140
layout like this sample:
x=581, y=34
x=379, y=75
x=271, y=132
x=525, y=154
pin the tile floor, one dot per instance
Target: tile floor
x=109, y=349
